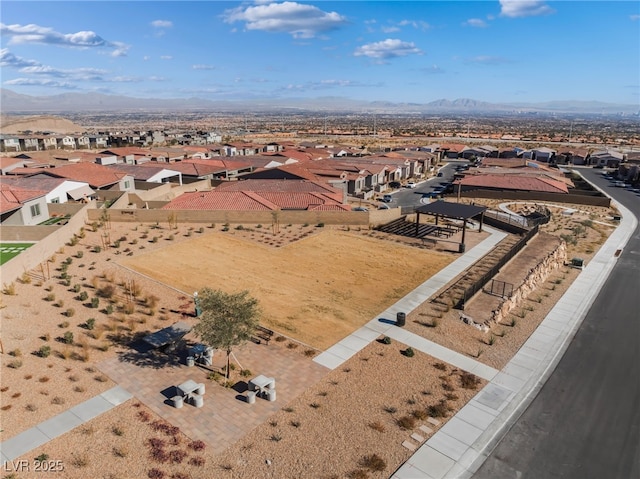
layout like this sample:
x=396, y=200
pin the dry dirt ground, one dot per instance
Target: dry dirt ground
x=317, y=289
x=347, y=413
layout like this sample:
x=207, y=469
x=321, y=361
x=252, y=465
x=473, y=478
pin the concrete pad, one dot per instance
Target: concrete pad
x=117, y=395
x=366, y=333
x=91, y=408
x=409, y=472
x=515, y=370
x=328, y=360
x=509, y=382
x=22, y=443
x=434, y=421
x=409, y=445
x=417, y=437
x=342, y=351
x=426, y=429
x=60, y=424
x=448, y=445
x=461, y=430
x=493, y=396
x=475, y=416
x=429, y=463
x=525, y=361
x=354, y=343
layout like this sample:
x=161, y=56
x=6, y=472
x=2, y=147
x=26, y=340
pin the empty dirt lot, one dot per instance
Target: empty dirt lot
x=317, y=290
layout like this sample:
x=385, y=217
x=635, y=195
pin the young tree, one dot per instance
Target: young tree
x=227, y=320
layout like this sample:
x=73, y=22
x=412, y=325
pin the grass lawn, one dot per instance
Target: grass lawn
x=9, y=250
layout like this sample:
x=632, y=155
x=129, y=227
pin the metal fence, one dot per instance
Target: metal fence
x=484, y=279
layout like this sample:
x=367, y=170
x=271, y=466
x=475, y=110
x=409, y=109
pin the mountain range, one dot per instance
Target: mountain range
x=12, y=102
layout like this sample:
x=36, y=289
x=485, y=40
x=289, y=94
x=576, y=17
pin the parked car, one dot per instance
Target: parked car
x=383, y=206
x=387, y=198
x=431, y=194
x=395, y=184
x=411, y=184
x=440, y=174
x=360, y=208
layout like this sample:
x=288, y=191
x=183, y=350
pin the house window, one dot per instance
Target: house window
x=35, y=210
x=127, y=184
x=55, y=200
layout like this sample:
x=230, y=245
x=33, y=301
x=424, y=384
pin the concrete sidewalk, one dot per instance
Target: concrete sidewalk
x=64, y=422
x=460, y=447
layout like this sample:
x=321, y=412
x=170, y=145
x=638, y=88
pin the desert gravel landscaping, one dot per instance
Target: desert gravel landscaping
x=346, y=425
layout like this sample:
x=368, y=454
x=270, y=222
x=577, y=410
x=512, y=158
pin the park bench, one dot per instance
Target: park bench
x=262, y=334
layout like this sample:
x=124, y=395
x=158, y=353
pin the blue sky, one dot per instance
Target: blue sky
x=415, y=51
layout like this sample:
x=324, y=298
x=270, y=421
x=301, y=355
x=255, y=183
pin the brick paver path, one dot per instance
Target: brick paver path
x=226, y=416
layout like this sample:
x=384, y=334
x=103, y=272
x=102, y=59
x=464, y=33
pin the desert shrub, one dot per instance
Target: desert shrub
x=70, y=312
x=390, y=409
x=96, y=249
x=79, y=254
x=106, y=291
x=63, y=324
x=386, y=340
x=25, y=278
x=197, y=445
x=419, y=414
x=68, y=337
x=58, y=400
x=9, y=289
x=95, y=302
x=377, y=426
x=91, y=323
x=176, y=456
x=16, y=353
x=197, y=461
x=120, y=451
x=109, y=309
x=438, y=410
x=406, y=422
x=156, y=474
x=50, y=297
x=44, y=351
x=409, y=352
x=468, y=380
x=373, y=462
x=15, y=364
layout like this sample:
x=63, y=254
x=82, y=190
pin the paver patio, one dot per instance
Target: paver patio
x=225, y=416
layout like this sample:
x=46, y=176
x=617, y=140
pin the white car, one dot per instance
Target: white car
x=411, y=184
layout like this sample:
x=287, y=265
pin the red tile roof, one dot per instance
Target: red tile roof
x=12, y=197
x=514, y=182
x=97, y=176
x=220, y=200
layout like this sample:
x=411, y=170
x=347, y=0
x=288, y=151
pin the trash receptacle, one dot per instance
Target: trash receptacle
x=191, y=361
x=401, y=319
x=461, y=248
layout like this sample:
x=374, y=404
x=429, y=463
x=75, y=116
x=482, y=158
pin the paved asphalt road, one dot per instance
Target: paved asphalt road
x=410, y=197
x=585, y=422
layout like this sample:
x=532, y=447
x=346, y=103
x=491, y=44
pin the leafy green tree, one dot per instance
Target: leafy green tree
x=227, y=320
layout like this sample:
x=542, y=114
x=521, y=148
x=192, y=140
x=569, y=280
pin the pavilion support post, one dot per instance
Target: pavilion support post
x=417, y=224
x=481, y=222
x=437, y=219
x=464, y=230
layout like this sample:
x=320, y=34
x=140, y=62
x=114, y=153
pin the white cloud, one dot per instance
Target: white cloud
x=166, y=57
x=420, y=25
x=8, y=59
x=203, y=67
x=389, y=48
x=390, y=29
x=476, y=22
x=22, y=34
x=634, y=18
x=162, y=24
x=298, y=20
x=524, y=8
x=40, y=82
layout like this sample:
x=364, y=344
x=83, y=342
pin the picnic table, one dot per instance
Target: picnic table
x=263, y=386
x=168, y=336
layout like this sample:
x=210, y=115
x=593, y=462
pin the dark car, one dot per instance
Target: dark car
x=440, y=174
x=395, y=184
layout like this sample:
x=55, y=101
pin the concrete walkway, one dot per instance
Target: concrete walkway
x=64, y=422
x=385, y=323
x=460, y=447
